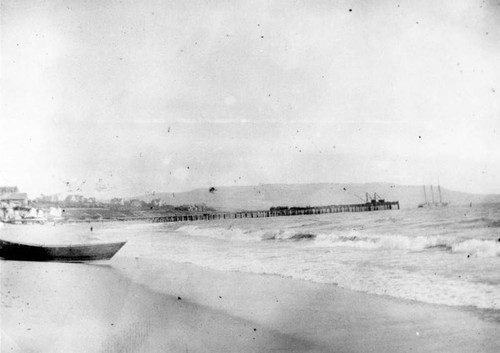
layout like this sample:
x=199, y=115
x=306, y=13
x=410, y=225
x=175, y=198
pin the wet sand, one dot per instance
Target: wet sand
x=137, y=305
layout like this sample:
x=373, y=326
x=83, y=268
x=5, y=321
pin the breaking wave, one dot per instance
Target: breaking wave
x=353, y=239
x=233, y=233
x=472, y=247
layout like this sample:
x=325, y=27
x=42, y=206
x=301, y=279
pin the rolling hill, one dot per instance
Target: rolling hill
x=260, y=197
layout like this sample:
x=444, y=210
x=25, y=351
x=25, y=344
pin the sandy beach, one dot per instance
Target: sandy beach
x=128, y=305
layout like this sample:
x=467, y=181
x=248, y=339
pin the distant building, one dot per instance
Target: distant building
x=20, y=198
x=192, y=208
x=197, y=208
x=117, y=201
x=157, y=202
x=11, y=194
x=136, y=203
x=74, y=199
x=8, y=189
x=50, y=198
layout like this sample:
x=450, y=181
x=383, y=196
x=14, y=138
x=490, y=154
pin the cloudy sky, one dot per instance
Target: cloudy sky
x=113, y=98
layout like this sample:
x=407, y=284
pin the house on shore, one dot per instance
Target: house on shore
x=117, y=202
x=72, y=199
x=49, y=198
x=11, y=195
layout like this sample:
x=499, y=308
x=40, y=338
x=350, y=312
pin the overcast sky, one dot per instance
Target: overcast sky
x=110, y=98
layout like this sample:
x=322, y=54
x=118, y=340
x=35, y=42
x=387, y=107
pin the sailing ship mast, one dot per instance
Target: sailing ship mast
x=432, y=202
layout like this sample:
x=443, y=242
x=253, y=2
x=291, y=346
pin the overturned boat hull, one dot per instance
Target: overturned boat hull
x=63, y=253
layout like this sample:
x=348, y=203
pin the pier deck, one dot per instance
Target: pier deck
x=280, y=212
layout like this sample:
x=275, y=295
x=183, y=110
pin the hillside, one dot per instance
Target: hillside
x=266, y=196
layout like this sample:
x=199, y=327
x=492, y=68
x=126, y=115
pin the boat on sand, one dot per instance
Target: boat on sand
x=63, y=253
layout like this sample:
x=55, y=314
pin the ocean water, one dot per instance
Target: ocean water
x=447, y=256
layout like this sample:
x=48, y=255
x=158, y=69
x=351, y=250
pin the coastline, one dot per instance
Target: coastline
x=131, y=304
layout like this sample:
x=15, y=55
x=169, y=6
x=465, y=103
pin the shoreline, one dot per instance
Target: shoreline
x=320, y=306
x=132, y=304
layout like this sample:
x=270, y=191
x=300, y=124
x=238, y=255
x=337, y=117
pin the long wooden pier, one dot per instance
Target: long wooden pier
x=280, y=212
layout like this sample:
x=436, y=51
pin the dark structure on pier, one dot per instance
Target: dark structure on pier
x=374, y=203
